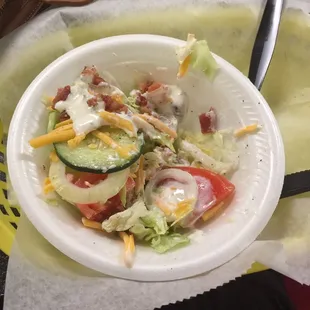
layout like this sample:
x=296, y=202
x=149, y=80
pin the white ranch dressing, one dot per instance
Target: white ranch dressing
x=85, y=118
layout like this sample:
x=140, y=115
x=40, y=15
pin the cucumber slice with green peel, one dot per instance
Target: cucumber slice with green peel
x=92, y=155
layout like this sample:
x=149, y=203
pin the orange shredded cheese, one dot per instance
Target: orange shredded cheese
x=76, y=140
x=91, y=224
x=48, y=187
x=183, y=208
x=162, y=207
x=212, y=212
x=117, y=121
x=247, y=130
x=123, y=152
x=66, y=122
x=53, y=157
x=52, y=137
x=184, y=66
x=158, y=124
x=129, y=249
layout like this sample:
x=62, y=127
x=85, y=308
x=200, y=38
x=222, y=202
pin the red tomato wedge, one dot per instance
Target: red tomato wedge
x=208, y=121
x=100, y=211
x=212, y=190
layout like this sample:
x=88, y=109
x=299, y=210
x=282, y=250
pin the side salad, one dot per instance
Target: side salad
x=124, y=162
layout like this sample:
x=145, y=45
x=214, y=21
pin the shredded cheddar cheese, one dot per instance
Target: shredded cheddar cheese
x=158, y=124
x=117, y=98
x=162, y=207
x=66, y=122
x=76, y=140
x=183, y=208
x=247, y=130
x=63, y=127
x=123, y=152
x=52, y=137
x=184, y=66
x=53, y=157
x=117, y=121
x=48, y=187
x=129, y=250
x=212, y=212
x=91, y=224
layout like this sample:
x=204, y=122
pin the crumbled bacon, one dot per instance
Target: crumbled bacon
x=141, y=100
x=112, y=105
x=62, y=94
x=63, y=116
x=97, y=80
x=146, y=109
x=143, y=87
x=93, y=73
x=154, y=86
x=208, y=121
x=92, y=102
x=90, y=71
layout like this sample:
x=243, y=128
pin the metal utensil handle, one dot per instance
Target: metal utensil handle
x=299, y=182
x=265, y=42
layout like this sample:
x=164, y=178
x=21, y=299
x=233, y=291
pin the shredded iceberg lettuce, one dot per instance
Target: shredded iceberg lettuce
x=199, y=56
x=217, y=152
x=202, y=59
x=162, y=244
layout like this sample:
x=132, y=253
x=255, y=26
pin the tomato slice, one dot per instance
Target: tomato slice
x=100, y=211
x=212, y=190
x=85, y=179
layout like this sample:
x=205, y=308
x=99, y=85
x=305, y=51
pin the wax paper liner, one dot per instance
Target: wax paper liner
x=66, y=283
x=41, y=274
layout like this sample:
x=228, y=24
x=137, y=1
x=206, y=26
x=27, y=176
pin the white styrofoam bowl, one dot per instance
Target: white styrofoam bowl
x=258, y=180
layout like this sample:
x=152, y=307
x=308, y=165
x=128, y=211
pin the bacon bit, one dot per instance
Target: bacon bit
x=154, y=86
x=90, y=71
x=92, y=102
x=97, y=80
x=62, y=94
x=141, y=100
x=63, y=116
x=112, y=105
x=143, y=87
x=146, y=110
x=208, y=121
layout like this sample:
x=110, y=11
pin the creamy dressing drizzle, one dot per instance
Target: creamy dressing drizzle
x=85, y=119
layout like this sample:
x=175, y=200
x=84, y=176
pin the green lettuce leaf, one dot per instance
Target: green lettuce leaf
x=124, y=220
x=162, y=244
x=217, y=152
x=132, y=105
x=143, y=233
x=202, y=59
x=155, y=219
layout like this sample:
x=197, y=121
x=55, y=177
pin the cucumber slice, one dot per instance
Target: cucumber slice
x=100, y=192
x=92, y=155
